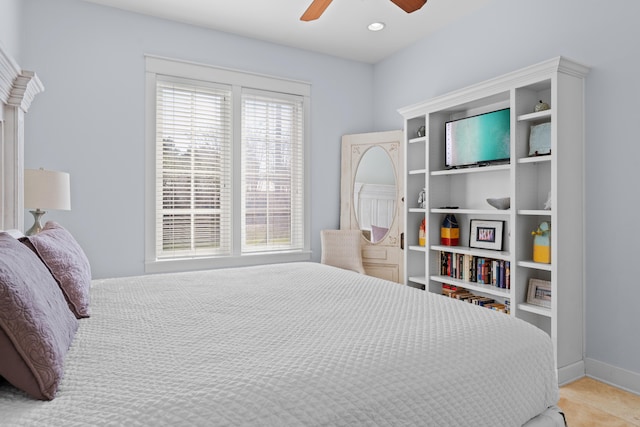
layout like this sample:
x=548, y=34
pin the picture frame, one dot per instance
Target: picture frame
x=539, y=293
x=486, y=234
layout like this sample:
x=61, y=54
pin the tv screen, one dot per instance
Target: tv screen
x=478, y=140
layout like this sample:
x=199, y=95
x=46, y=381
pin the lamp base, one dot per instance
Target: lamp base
x=36, y=227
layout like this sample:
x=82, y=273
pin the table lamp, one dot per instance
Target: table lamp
x=45, y=189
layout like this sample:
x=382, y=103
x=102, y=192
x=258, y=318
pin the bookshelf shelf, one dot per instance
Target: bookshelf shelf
x=470, y=170
x=535, y=212
x=484, y=289
x=535, y=159
x=536, y=116
x=529, y=181
x=417, y=210
x=535, y=265
x=505, y=212
x=420, y=280
x=465, y=250
x=542, y=311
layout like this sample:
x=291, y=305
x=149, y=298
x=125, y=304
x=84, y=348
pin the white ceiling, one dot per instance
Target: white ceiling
x=340, y=31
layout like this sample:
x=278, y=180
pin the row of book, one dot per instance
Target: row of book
x=463, y=294
x=476, y=269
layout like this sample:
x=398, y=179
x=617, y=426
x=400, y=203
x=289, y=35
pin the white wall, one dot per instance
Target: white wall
x=90, y=119
x=9, y=27
x=511, y=34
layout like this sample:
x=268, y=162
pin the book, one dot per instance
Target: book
x=494, y=272
x=507, y=275
x=466, y=267
x=473, y=273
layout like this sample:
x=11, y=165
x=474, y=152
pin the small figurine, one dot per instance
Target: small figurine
x=421, y=131
x=541, y=106
x=422, y=199
x=547, y=204
x=542, y=243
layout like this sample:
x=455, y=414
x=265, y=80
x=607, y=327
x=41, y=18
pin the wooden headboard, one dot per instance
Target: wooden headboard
x=17, y=90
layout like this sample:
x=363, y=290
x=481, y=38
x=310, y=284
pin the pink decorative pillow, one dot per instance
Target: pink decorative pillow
x=36, y=326
x=378, y=233
x=67, y=263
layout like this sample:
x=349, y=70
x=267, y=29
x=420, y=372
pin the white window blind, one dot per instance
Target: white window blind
x=226, y=179
x=272, y=171
x=193, y=169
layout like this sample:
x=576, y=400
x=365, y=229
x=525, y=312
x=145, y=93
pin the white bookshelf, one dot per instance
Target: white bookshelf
x=527, y=180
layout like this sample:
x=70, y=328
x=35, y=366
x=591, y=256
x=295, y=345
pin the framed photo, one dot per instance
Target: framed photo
x=539, y=293
x=486, y=234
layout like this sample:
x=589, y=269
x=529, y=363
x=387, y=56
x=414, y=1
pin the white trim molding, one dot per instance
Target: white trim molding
x=18, y=88
x=612, y=375
x=570, y=373
x=25, y=87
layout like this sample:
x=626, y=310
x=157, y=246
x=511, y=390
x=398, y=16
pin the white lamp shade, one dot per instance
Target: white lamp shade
x=45, y=189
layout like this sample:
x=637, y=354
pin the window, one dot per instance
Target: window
x=272, y=172
x=226, y=167
x=193, y=164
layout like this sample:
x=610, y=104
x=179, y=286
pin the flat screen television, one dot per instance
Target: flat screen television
x=478, y=140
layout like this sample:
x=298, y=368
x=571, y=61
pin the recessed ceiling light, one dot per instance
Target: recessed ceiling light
x=376, y=26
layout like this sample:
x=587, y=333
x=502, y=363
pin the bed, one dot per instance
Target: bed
x=292, y=344
x=282, y=345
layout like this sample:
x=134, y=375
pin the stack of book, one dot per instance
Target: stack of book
x=463, y=294
x=476, y=269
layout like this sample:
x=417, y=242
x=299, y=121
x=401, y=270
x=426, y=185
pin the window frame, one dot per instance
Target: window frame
x=237, y=80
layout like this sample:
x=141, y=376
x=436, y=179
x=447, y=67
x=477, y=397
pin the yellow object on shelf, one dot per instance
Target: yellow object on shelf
x=422, y=235
x=542, y=243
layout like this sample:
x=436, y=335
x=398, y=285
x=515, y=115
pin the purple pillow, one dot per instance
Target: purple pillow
x=378, y=233
x=36, y=326
x=67, y=263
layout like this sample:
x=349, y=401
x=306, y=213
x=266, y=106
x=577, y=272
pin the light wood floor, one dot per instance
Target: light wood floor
x=587, y=402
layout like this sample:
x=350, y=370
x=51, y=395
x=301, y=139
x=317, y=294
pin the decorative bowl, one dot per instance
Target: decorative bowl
x=501, y=203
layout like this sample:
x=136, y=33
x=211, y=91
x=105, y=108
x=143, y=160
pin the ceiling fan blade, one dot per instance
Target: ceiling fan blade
x=315, y=9
x=409, y=5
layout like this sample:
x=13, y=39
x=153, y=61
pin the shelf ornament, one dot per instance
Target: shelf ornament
x=542, y=243
x=422, y=233
x=422, y=198
x=541, y=106
x=449, y=231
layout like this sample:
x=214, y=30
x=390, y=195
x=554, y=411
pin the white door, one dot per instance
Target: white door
x=372, y=201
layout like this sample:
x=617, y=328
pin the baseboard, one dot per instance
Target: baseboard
x=612, y=375
x=570, y=373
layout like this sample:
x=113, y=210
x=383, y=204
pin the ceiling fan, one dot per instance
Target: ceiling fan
x=317, y=7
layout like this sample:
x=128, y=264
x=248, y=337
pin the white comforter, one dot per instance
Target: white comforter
x=296, y=344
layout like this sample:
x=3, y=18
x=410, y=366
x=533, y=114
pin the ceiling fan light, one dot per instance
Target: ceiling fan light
x=376, y=26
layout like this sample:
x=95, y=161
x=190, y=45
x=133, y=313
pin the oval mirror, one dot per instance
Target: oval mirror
x=375, y=194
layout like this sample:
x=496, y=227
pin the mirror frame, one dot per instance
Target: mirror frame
x=387, y=163
x=350, y=163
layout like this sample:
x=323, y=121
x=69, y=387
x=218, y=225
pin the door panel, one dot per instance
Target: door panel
x=371, y=199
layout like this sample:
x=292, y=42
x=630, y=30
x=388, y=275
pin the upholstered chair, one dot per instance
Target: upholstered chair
x=341, y=248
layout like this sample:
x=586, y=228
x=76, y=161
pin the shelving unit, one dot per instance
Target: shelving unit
x=530, y=181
